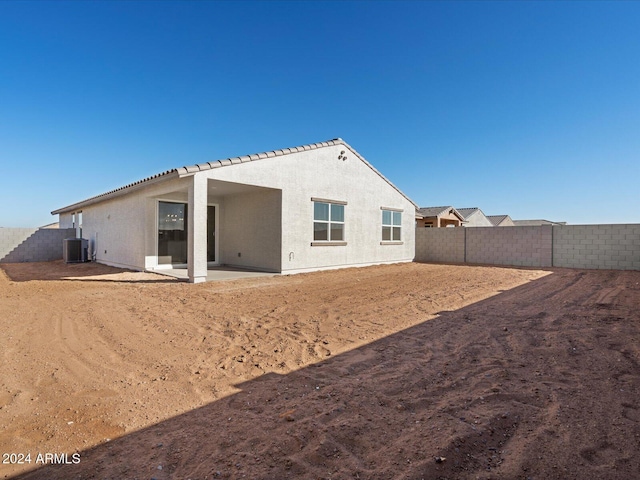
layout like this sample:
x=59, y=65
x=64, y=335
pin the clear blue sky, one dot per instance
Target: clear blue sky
x=524, y=108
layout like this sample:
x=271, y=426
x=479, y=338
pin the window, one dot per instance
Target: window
x=391, y=226
x=328, y=221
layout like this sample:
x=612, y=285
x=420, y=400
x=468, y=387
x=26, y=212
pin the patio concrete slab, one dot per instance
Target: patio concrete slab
x=214, y=274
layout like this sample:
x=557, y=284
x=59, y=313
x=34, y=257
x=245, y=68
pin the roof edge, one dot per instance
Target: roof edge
x=118, y=191
x=192, y=169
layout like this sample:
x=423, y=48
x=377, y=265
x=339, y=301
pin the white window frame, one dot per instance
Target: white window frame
x=329, y=241
x=392, y=226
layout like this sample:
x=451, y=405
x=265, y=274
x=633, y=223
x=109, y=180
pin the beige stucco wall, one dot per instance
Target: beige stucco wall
x=507, y=222
x=477, y=219
x=443, y=221
x=421, y=222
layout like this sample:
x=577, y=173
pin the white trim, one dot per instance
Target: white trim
x=329, y=222
x=391, y=226
x=326, y=200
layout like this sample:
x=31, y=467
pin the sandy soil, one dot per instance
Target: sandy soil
x=401, y=371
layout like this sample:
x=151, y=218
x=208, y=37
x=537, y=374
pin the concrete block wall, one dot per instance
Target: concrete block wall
x=521, y=246
x=440, y=245
x=615, y=247
x=19, y=245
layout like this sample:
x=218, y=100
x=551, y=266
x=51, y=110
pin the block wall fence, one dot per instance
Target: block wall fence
x=615, y=247
x=19, y=245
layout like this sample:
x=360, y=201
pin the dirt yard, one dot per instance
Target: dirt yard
x=405, y=371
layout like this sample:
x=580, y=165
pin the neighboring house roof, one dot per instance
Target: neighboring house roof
x=437, y=211
x=533, y=223
x=188, y=170
x=432, y=211
x=467, y=212
x=474, y=217
x=51, y=225
x=497, y=219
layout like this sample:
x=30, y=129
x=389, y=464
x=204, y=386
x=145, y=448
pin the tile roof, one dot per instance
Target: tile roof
x=187, y=170
x=496, y=219
x=467, y=212
x=533, y=223
x=432, y=211
x=437, y=211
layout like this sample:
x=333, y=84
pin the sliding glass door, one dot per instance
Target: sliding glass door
x=172, y=233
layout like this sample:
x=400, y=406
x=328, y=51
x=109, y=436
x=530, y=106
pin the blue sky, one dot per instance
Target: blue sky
x=524, y=108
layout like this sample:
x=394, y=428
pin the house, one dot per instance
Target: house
x=299, y=209
x=474, y=217
x=438, y=217
x=535, y=223
x=500, y=220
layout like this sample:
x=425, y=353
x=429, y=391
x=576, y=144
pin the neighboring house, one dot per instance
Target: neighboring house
x=299, y=209
x=438, y=217
x=51, y=225
x=535, y=223
x=474, y=217
x=500, y=220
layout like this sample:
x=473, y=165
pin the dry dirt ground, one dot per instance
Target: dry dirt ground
x=393, y=372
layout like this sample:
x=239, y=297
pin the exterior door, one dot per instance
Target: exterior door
x=172, y=233
x=211, y=234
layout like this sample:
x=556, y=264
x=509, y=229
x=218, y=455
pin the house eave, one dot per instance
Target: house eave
x=132, y=187
x=193, y=169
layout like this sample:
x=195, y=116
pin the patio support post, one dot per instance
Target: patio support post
x=197, y=238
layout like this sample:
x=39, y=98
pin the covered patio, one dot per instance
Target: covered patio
x=207, y=230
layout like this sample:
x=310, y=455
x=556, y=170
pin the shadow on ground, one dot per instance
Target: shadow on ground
x=541, y=381
x=87, y=272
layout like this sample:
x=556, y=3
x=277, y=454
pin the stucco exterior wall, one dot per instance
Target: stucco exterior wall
x=477, y=219
x=122, y=231
x=443, y=220
x=507, y=222
x=321, y=174
x=115, y=230
x=250, y=230
x=66, y=220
